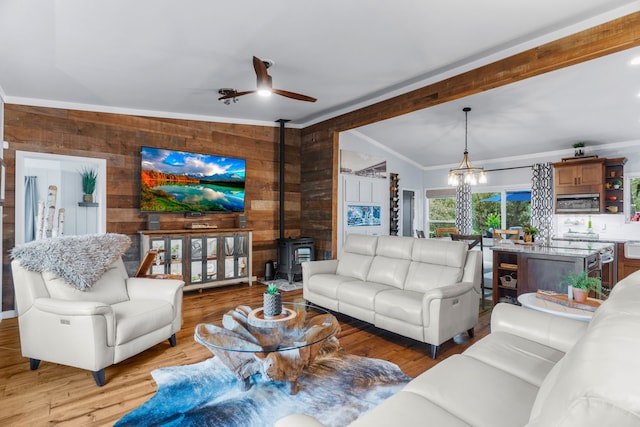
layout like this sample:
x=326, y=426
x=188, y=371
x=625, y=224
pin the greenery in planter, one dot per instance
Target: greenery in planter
x=616, y=182
x=494, y=221
x=582, y=281
x=530, y=229
x=578, y=145
x=89, y=178
x=272, y=289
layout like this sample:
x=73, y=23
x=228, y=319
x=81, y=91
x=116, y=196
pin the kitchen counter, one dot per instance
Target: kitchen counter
x=558, y=247
x=535, y=266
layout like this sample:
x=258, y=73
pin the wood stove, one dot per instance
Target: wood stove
x=292, y=252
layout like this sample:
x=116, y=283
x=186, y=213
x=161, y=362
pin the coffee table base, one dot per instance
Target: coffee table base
x=247, y=354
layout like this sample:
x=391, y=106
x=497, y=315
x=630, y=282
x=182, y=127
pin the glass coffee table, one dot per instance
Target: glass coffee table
x=278, y=348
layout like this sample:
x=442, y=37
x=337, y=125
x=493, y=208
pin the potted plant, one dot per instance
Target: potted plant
x=89, y=177
x=530, y=233
x=578, y=148
x=616, y=183
x=581, y=284
x=272, y=302
x=493, y=223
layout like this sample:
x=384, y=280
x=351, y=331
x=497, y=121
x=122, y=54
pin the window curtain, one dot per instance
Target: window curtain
x=542, y=199
x=30, y=207
x=464, y=221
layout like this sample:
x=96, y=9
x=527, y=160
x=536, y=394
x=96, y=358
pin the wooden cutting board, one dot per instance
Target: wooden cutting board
x=563, y=299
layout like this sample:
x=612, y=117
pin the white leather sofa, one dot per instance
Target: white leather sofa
x=535, y=370
x=425, y=289
x=116, y=318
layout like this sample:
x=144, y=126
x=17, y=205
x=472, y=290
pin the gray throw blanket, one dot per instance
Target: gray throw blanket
x=80, y=260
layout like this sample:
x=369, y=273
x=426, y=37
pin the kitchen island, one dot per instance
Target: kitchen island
x=522, y=268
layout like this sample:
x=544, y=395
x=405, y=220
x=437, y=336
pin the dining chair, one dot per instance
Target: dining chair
x=420, y=234
x=473, y=240
x=506, y=234
x=446, y=231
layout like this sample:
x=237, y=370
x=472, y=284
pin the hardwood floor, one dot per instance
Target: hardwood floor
x=61, y=395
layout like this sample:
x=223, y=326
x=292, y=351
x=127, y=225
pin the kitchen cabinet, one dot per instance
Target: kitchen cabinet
x=579, y=176
x=520, y=269
x=626, y=266
x=203, y=257
x=613, y=191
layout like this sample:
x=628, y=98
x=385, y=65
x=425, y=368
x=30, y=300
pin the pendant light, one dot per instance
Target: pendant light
x=465, y=173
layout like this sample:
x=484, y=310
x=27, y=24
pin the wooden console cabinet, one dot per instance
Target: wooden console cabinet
x=204, y=257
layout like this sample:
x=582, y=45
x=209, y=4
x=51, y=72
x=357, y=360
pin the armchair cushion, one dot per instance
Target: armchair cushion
x=110, y=288
x=141, y=317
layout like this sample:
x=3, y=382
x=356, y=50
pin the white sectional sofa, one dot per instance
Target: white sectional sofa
x=535, y=370
x=425, y=289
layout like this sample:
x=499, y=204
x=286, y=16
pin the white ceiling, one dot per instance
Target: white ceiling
x=169, y=58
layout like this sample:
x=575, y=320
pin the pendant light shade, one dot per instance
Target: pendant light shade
x=465, y=173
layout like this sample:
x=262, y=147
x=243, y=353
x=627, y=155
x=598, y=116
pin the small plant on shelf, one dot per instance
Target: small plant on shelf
x=616, y=183
x=578, y=149
x=89, y=178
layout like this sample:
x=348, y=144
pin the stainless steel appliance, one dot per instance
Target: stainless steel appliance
x=578, y=203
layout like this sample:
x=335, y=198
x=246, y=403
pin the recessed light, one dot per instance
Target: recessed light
x=635, y=61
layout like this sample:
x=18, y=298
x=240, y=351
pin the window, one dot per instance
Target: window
x=634, y=202
x=488, y=210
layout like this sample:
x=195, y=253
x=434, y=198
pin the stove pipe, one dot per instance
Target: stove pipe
x=282, y=130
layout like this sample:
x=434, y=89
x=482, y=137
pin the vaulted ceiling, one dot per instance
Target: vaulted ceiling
x=169, y=59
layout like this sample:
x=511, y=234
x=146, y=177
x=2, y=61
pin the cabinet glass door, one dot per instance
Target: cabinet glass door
x=212, y=259
x=242, y=255
x=159, y=246
x=229, y=257
x=177, y=254
x=197, y=259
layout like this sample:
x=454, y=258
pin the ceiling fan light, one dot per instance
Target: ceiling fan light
x=264, y=92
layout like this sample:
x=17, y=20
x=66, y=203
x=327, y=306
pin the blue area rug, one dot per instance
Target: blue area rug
x=334, y=389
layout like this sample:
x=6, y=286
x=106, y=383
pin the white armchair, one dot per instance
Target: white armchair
x=116, y=318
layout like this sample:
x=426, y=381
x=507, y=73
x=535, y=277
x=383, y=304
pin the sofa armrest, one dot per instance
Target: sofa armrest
x=547, y=329
x=71, y=308
x=148, y=288
x=449, y=291
x=298, y=420
x=311, y=268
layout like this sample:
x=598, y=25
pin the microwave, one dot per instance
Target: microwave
x=578, y=203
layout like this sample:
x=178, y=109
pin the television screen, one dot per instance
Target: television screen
x=177, y=181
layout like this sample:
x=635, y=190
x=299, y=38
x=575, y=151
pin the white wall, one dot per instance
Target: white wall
x=410, y=176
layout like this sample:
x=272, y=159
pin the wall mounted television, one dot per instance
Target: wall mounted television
x=178, y=181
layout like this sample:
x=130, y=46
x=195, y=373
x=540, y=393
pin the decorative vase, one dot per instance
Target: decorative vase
x=579, y=151
x=580, y=295
x=272, y=304
x=87, y=198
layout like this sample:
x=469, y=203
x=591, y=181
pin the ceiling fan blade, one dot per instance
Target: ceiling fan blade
x=235, y=94
x=294, y=95
x=261, y=70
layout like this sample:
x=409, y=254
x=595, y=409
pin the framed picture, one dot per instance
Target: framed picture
x=363, y=216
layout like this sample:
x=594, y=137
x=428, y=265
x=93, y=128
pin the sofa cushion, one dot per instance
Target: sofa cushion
x=399, y=304
x=518, y=356
x=360, y=294
x=388, y=271
x=140, y=317
x=435, y=263
x=477, y=393
x=110, y=288
x=598, y=382
x=354, y=265
x=395, y=246
x=327, y=284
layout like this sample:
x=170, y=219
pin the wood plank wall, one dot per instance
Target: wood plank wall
x=118, y=138
x=320, y=141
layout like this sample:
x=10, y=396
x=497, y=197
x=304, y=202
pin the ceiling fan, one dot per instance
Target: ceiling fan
x=264, y=86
